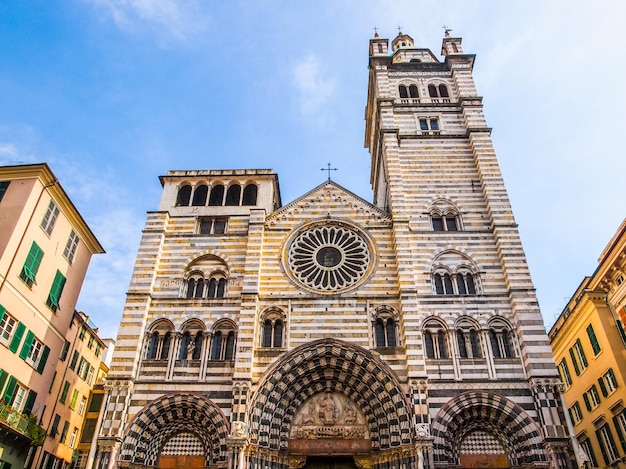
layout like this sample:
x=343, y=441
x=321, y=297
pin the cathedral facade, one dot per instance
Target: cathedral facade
x=335, y=332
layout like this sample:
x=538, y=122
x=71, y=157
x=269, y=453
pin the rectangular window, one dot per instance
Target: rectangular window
x=66, y=389
x=594, y=340
x=98, y=350
x=591, y=398
x=70, y=247
x=564, y=372
x=608, y=382
x=56, y=290
x=575, y=413
x=66, y=427
x=4, y=185
x=89, y=374
x=578, y=357
x=66, y=349
x=34, y=352
x=31, y=265
x=50, y=218
x=620, y=424
x=82, y=333
x=587, y=448
x=18, y=397
x=96, y=402
x=81, y=367
x=429, y=123
x=90, y=342
x=7, y=327
x=74, y=399
x=212, y=225
x=73, y=437
x=81, y=406
x=89, y=430
x=607, y=445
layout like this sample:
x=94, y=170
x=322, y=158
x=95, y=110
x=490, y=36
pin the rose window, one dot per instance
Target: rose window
x=329, y=258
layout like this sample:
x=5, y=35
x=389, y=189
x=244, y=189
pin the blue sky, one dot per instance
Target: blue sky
x=113, y=93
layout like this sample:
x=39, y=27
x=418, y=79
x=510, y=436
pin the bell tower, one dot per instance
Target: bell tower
x=464, y=281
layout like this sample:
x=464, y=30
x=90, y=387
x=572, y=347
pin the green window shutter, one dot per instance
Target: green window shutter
x=17, y=337
x=10, y=390
x=33, y=260
x=587, y=403
x=44, y=357
x=55, y=291
x=3, y=378
x=30, y=402
x=74, y=360
x=574, y=361
x=602, y=386
x=66, y=388
x=73, y=399
x=3, y=311
x=28, y=343
x=55, y=425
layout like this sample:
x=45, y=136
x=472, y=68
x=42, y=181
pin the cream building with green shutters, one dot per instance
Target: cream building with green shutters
x=337, y=332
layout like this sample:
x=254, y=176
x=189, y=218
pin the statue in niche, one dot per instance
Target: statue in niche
x=309, y=418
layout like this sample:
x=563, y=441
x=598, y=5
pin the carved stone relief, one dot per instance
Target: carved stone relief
x=329, y=415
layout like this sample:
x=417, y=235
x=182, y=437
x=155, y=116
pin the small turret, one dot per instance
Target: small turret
x=379, y=47
x=450, y=45
x=401, y=40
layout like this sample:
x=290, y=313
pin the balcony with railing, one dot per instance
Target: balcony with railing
x=17, y=426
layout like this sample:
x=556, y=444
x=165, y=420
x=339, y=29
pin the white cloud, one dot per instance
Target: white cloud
x=313, y=88
x=170, y=20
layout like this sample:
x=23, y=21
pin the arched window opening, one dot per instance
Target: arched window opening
x=379, y=332
x=404, y=92
x=461, y=283
x=250, y=194
x=272, y=331
x=212, y=288
x=233, y=195
x=152, y=346
x=432, y=91
x=223, y=346
x=443, y=284
x=435, y=341
x=197, y=346
x=413, y=92
x=165, y=348
x=475, y=344
x=267, y=334
x=460, y=336
x=183, y=196
x=455, y=49
x=444, y=222
x=198, y=293
x=157, y=347
x=230, y=346
x=443, y=91
x=385, y=330
x=217, y=195
x=278, y=334
x=217, y=346
x=501, y=342
x=200, y=195
x=184, y=346
x=221, y=288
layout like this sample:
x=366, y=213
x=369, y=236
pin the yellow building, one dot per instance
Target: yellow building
x=45, y=248
x=79, y=372
x=589, y=341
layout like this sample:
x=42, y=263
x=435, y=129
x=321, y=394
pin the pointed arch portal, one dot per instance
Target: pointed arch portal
x=342, y=375
x=489, y=425
x=184, y=426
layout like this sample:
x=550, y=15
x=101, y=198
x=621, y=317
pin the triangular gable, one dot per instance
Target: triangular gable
x=347, y=198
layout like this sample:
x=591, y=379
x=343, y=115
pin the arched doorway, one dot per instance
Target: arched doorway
x=330, y=402
x=177, y=431
x=483, y=429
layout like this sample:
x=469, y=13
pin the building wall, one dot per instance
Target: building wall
x=36, y=314
x=591, y=325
